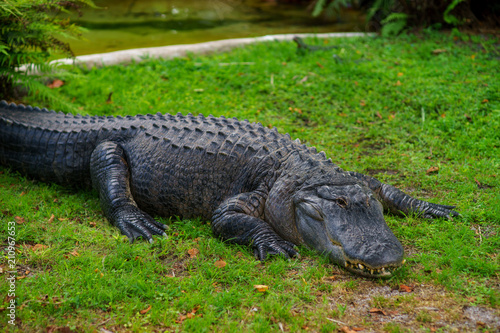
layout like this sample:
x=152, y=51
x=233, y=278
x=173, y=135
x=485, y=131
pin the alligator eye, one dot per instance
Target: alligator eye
x=311, y=210
x=341, y=202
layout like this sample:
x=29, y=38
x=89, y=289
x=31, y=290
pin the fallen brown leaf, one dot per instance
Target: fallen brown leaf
x=331, y=278
x=180, y=319
x=405, y=288
x=480, y=324
x=51, y=219
x=220, y=264
x=439, y=51
x=193, y=252
x=378, y=311
x=19, y=220
x=346, y=329
x=261, y=288
x=146, y=310
x=55, y=84
x=38, y=247
x=92, y=224
x=433, y=169
x=187, y=316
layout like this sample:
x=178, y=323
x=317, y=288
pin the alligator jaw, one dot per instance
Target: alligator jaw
x=359, y=268
x=364, y=270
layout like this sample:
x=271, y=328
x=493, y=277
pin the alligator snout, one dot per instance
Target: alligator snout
x=374, y=260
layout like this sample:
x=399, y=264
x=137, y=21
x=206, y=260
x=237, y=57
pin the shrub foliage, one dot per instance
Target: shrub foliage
x=393, y=16
x=30, y=30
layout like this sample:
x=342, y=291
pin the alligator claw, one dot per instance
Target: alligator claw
x=430, y=210
x=273, y=245
x=135, y=223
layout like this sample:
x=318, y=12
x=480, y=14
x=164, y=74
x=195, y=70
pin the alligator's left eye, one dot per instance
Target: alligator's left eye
x=311, y=210
x=342, y=202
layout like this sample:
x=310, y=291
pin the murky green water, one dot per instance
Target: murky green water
x=127, y=24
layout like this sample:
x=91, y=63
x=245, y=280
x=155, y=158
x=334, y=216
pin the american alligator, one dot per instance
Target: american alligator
x=258, y=187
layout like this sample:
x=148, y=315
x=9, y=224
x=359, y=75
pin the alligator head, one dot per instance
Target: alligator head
x=345, y=222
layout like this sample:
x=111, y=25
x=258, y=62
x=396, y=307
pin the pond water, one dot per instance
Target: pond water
x=127, y=24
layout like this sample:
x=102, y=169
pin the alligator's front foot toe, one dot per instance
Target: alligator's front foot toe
x=431, y=210
x=135, y=223
x=274, y=246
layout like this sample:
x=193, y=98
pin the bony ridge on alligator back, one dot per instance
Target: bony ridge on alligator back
x=257, y=186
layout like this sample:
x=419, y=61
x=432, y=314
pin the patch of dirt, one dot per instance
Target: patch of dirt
x=425, y=308
x=482, y=316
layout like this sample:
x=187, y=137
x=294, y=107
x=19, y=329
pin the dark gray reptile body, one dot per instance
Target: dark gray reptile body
x=257, y=186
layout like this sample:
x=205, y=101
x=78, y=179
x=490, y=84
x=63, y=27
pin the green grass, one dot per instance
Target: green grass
x=389, y=107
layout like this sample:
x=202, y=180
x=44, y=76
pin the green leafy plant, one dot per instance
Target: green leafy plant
x=394, y=16
x=449, y=18
x=330, y=8
x=30, y=32
x=394, y=24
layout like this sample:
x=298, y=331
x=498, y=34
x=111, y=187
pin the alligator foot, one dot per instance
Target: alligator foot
x=270, y=244
x=238, y=220
x=430, y=210
x=135, y=223
x=111, y=177
x=398, y=201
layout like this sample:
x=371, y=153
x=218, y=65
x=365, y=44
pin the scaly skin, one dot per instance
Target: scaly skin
x=258, y=187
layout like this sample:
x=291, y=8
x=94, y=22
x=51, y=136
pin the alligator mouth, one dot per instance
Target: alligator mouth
x=364, y=270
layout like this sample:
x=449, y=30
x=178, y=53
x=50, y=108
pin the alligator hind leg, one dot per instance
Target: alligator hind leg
x=111, y=177
x=237, y=220
x=397, y=202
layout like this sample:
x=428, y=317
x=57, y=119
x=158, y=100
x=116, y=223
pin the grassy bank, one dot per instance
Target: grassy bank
x=421, y=113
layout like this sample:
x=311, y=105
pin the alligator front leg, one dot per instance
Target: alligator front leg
x=111, y=177
x=397, y=202
x=237, y=220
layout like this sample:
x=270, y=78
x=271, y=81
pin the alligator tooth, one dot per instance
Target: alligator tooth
x=383, y=270
x=371, y=271
x=346, y=264
x=361, y=266
x=404, y=260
